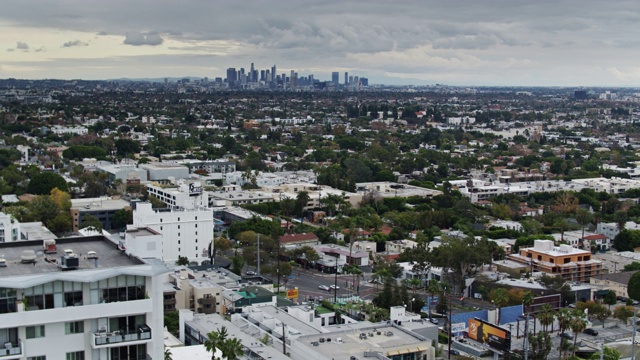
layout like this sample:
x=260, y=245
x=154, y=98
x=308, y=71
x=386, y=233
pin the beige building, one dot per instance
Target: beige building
x=564, y=260
x=617, y=282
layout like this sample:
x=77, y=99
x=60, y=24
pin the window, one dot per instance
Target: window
x=75, y=327
x=76, y=355
x=41, y=357
x=34, y=332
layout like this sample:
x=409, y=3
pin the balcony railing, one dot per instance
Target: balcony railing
x=143, y=332
x=11, y=349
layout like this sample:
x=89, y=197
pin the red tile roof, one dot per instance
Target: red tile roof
x=294, y=238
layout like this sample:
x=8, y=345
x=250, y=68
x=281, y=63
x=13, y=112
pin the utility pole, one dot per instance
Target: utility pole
x=258, y=269
x=633, y=338
x=335, y=284
x=278, y=269
x=449, y=350
x=284, y=341
x=526, y=331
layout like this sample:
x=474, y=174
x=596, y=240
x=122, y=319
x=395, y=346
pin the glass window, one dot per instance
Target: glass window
x=41, y=357
x=76, y=355
x=75, y=327
x=34, y=332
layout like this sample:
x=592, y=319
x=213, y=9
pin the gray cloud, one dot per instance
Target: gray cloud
x=75, y=43
x=466, y=41
x=139, y=39
x=22, y=46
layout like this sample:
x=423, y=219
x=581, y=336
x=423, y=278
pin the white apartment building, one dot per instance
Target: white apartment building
x=237, y=198
x=185, y=195
x=69, y=306
x=184, y=233
x=610, y=230
x=164, y=171
x=261, y=179
x=65, y=130
x=9, y=228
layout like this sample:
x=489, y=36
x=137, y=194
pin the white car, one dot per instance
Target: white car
x=324, y=287
x=334, y=287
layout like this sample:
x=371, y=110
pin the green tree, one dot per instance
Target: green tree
x=60, y=223
x=634, y=286
x=608, y=354
x=121, y=218
x=90, y=221
x=546, y=316
x=221, y=244
x=539, y=345
x=44, y=208
x=167, y=354
x=623, y=313
x=634, y=266
x=610, y=298
x=627, y=240
x=215, y=341
x=61, y=198
x=237, y=263
x=42, y=183
x=182, y=261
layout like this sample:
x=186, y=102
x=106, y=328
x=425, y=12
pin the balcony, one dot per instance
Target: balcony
x=11, y=350
x=119, y=337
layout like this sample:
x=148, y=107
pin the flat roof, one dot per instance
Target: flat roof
x=205, y=324
x=108, y=256
x=101, y=203
x=353, y=345
x=295, y=325
x=36, y=231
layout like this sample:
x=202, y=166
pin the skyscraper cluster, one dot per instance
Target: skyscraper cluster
x=269, y=78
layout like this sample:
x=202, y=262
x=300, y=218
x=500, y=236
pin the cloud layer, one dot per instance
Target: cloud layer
x=491, y=42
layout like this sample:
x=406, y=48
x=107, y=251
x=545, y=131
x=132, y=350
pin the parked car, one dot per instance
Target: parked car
x=334, y=287
x=454, y=352
x=251, y=273
x=591, y=332
x=635, y=302
x=622, y=299
x=566, y=335
x=324, y=287
x=434, y=321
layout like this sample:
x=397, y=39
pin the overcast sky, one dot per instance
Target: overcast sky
x=456, y=42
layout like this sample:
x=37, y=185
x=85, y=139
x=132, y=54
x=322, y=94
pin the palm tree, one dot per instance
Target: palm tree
x=577, y=324
x=527, y=300
x=546, y=316
x=564, y=318
x=499, y=297
x=583, y=217
x=433, y=287
x=232, y=349
x=167, y=354
x=620, y=217
x=215, y=341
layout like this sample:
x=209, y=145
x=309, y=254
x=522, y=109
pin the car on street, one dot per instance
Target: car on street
x=324, y=287
x=622, y=299
x=434, y=321
x=454, y=352
x=251, y=273
x=635, y=302
x=334, y=287
x=591, y=332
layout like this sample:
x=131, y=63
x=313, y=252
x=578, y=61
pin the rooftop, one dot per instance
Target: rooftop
x=108, y=256
x=619, y=277
x=387, y=339
x=101, y=203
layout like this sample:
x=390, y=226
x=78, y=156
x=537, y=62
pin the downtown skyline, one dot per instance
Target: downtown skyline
x=492, y=43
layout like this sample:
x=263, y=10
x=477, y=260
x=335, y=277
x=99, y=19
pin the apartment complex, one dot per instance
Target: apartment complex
x=89, y=302
x=564, y=260
x=183, y=232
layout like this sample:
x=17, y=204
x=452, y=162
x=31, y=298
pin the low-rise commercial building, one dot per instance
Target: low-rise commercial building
x=566, y=261
x=102, y=208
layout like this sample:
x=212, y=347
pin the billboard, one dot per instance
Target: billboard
x=493, y=336
x=292, y=293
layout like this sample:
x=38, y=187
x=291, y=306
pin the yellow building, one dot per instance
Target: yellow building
x=564, y=260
